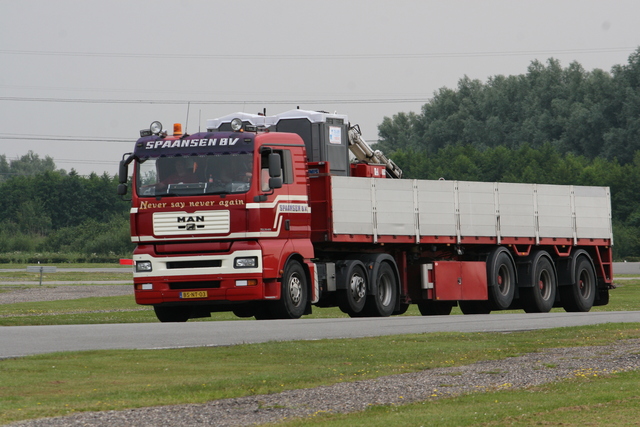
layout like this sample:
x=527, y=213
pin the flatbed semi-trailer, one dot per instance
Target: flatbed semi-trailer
x=276, y=218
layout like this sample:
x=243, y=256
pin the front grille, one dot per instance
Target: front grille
x=207, y=263
x=184, y=223
x=211, y=284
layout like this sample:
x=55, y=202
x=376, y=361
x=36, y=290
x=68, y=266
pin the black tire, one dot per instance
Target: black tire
x=579, y=296
x=352, y=300
x=475, y=307
x=294, y=293
x=435, y=308
x=172, y=314
x=540, y=297
x=383, y=303
x=501, y=278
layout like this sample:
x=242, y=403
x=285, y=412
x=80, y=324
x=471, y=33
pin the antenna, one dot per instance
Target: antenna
x=186, y=123
x=199, y=119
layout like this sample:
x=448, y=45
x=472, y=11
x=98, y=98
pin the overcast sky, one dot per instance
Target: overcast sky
x=79, y=79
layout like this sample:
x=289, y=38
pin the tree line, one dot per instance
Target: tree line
x=51, y=211
x=588, y=113
x=551, y=125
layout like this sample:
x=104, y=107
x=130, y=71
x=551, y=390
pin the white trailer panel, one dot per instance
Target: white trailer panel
x=517, y=210
x=395, y=207
x=352, y=206
x=592, y=205
x=555, y=218
x=436, y=207
x=477, y=207
x=384, y=207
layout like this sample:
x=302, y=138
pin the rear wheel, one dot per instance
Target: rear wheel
x=383, y=303
x=579, y=296
x=352, y=300
x=172, y=314
x=540, y=297
x=293, y=296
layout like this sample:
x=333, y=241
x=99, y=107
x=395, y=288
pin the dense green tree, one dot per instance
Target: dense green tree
x=54, y=211
x=586, y=113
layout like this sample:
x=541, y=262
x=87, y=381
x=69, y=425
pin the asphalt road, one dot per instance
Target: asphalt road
x=16, y=341
x=626, y=268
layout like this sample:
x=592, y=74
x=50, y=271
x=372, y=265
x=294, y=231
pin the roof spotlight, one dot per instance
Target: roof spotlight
x=236, y=124
x=155, y=127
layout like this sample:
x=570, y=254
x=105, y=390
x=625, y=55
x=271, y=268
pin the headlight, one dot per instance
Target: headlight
x=248, y=262
x=155, y=128
x=143, y=266
x=236, y=125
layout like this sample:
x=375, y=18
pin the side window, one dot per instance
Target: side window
x=286, y=168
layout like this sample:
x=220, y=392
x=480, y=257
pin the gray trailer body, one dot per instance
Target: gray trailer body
x=383, y=207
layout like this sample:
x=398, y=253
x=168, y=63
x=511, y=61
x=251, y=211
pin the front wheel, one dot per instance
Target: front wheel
x=294, y=293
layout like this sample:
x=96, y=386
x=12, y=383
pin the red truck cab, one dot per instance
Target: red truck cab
x=217, y=218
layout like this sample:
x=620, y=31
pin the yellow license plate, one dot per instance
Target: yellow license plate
x=194, y=294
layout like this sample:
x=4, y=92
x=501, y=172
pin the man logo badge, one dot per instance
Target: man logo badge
x=190, y=222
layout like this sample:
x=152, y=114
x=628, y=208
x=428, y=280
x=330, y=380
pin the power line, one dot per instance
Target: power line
x=350, y=56
x=173, y=101
x=64, y=138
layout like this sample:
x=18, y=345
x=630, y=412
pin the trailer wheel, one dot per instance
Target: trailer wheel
x=172, y=314
x=383, y=302
x=540, y=297
x=502, y=280
x=293, y=297
x=435, y=308
x=352, y=300
x=579, y=296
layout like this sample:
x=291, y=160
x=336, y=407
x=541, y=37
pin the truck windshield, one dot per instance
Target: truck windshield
x=184, y=176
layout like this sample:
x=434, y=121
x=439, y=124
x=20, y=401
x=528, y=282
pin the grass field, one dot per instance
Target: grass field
x=64, y=383
x=595, y=401
x=123, y=309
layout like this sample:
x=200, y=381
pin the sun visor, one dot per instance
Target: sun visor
x=198, y=144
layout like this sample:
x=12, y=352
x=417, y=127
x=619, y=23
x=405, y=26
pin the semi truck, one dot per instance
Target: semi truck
x=269, y=216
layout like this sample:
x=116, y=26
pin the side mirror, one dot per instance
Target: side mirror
x=122, y=189
x=123, y=172
x=275, y=168
x=275, y=182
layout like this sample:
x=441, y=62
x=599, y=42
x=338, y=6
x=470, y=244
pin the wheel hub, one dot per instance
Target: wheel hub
x=295, y=290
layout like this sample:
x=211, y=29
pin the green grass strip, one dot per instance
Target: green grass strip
x=64, y=383
x=611, y=400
